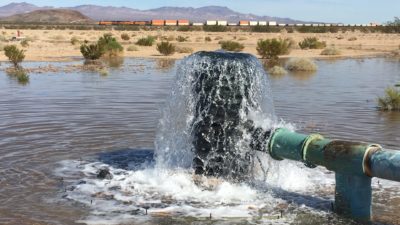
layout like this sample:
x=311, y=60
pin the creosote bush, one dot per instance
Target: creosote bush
x=132, y=48
x=125, y=37
x=277, y=70
x=207, y=39
x=352, y=39
x=92, y=51
x=312, y=43
x=110, y=45
x=74, y=41
x=330, y=51
x=147, y=41
x=14, y=55
x=232, y=46
x=166, y=48
x=20, y=74
x=24, y=43
x=391, y=100
x=181, y=39
x=272, y=48
x=301, y=64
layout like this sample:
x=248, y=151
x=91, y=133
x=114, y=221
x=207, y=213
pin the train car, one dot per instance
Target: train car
x=253, y=23
x=157, y=22
x=171, y=22
x=211, y=22
x=299, y=25
x=262, y=23
x=232, y=24
x=198, y=24
x=105, y=22
x=244, y=23
x=282, y=24
x=141, y=23
x=307, y=25
x=183, y=23
x=222, y=22
x=328, y=25
x=272, y=23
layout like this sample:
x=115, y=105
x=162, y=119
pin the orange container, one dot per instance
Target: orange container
x=170, y=22
x=157, y=22
x=183, y=22
x=244, y=23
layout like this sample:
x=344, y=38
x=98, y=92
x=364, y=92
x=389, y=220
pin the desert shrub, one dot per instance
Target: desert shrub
x=277, y=70
x=272, y=48
x=232, y=46
x=352, y=39
x=57, y=37
x=301, y=64
x=166, y=48
x=22, y=76
x=218, y=38
x=184, y=49
x=215, y=28
x=312, y=43
x=147, y=41
x=330, y=51
x=207, y=39
x=14, y=55
x=181, y=39
x=125, y=37
x=391, y=100
x=74, y=40
x=92, y=51
x=242, y=39
x=110, y=45
x=24, y=43
x=184, y=28
x=132, y=48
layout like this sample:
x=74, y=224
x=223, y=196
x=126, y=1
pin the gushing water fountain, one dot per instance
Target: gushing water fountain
x=211, y=125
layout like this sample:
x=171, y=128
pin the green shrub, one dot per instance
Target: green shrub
x=181, y=39
x=110, y=45
x=22, y=76
x=207, y=39
x=312, y=43
x=132, y=48
x=166, y=48
x=273, y=48
x=125, y=37
x=184, y=49
x=147, y=41
x=391, y=100
x=277, y=70
x=232, y=46
x=92, y=51
x=15, y=55
x=74, y=40
x=24, y=43
x=330, y=51
x=352, y=39
x=301, y=64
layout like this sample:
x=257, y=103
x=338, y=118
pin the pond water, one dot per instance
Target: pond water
x=60, y=128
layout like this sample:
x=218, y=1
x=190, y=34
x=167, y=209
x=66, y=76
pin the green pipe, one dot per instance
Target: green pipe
x=353, y=162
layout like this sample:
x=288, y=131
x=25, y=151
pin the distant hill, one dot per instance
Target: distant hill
x=201, y=14
x=49, y=16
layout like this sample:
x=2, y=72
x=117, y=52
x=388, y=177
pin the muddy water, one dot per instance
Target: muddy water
x=69, y=116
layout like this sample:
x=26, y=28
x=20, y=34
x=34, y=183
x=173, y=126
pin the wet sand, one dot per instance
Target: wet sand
x=55, y=45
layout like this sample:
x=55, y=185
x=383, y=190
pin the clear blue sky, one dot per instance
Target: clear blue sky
x=347, y=11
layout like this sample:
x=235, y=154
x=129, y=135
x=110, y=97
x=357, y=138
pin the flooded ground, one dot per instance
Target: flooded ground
x=61, y=127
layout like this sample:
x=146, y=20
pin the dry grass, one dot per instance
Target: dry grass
x=277, y=70
x=331, y=51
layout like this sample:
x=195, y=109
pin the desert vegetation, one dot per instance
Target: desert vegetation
x=331, y=51
x=147, y=41
x=14, y=55
x=391, y=100
x=125, y=37
x=166, y=48
x=110, y=45
x=232, y=46
x=312, y=43
x=301, y=65
x=92, y=51
x=277, y=70
x=273, y=48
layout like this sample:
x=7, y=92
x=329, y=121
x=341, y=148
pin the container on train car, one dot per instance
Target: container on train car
x=327, y=24
x=140, y=23
x=211, y=22
x=315, y=24
x=105, y=23
x=198, y=24
x=299, y=25
x=262, y=23
x=171, y=22
x=307, y=25
x=243, y=23
x=157, y=22
x=282, y=24
x=183, y=22
x=253, y=23
x=232, y=24
x=222, y=22
x=272, y=23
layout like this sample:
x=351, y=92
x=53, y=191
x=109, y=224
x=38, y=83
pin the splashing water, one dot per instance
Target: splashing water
x=220, y=111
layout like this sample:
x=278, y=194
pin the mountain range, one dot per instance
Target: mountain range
x=98, y=13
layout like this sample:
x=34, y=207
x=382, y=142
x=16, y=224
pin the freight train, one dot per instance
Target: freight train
x=184, y=22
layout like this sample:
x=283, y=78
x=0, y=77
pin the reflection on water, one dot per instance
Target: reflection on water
x=302, y=75
x=69, y=116
x=114, y=62
x=165, y=65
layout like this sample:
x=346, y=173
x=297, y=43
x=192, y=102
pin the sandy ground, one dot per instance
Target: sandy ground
x=55, y=45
